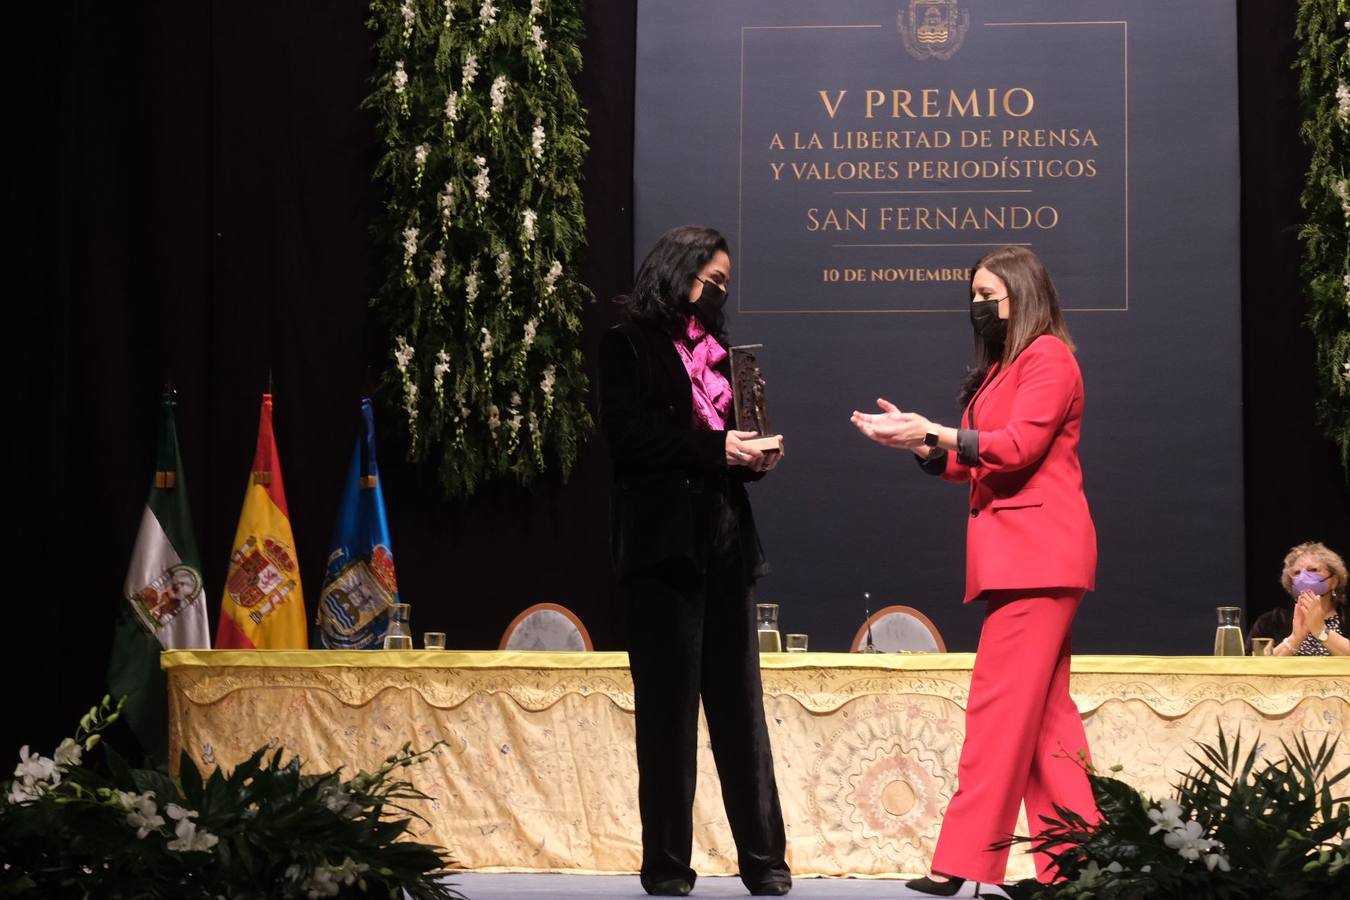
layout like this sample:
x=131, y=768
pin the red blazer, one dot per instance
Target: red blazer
x=1029, y=523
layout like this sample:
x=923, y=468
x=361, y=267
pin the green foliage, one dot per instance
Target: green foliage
x=1237, y=827
x=1324, y=92
x=264, y=830
x=483, y=140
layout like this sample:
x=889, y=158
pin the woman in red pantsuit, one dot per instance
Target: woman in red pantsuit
x=1031, y=553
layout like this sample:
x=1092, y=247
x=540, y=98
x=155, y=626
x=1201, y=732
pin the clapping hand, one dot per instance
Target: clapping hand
x=891, y=427
x=1300, y=630
x=1314, y=616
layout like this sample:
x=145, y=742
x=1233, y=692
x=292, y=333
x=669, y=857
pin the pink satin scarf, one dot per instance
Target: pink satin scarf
x=712, y=393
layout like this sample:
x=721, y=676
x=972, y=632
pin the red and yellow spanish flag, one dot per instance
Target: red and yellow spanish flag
x=263, y=606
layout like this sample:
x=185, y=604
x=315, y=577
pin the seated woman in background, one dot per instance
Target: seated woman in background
x=1315, y=577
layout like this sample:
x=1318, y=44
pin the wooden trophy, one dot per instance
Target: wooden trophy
x=752, y=408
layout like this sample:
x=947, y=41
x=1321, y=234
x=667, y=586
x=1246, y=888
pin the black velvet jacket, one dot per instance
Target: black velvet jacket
x=669, y=477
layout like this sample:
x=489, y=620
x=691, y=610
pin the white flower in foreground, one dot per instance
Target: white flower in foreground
x=403, y=353
x=187, y=837
x=494, y=417
x=326, y=880
x=537, y=139
x=485, y=346
x=546, y=384
x=25, y=790
x=1347, y=370
x=1167, y=818
x=531, y=328
x=452, y=107
x=535, y=7
x=504, y=268
x=1092, y=873
x=33, y=767
x=1189, y=840
x=1217, y=859
x=527, y=220
x=409, y=16
x=142, y=814
x=337, y=800
x=400, y=78
x=537, y=35
x=68, y=753
x=449, y=11
x=1343, y=100
x=487, y=13
x=470, y=70
x=500, y=85
x=420, y=154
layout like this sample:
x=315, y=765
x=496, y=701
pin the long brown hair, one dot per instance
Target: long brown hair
x=1033, y=310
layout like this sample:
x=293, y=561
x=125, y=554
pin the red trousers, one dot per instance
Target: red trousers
x=1023, y=735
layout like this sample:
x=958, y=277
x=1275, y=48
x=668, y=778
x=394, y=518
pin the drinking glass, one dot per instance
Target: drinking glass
x=766, y=621
x=433, y=640
x=1262, y=646
x=796, y=643
x=1228, y=636
x=399, y=634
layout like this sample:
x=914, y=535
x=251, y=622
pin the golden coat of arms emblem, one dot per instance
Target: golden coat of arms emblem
x=933, y=29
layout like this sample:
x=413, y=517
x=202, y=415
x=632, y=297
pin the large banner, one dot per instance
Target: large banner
x=860, y=155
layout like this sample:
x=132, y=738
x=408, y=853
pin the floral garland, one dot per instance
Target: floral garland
x=482, y=227
x=1324, y=89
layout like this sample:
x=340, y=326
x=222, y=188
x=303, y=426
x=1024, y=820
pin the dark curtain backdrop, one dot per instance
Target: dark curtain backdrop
x=190, y=197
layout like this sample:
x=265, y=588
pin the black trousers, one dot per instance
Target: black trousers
x=693, y=635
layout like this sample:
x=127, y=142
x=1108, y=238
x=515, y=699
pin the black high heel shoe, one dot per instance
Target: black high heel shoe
x=933, y=888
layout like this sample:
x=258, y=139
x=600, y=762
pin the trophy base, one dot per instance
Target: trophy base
x=771, y=444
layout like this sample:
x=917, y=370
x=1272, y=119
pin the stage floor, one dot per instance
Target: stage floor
x=484, y=886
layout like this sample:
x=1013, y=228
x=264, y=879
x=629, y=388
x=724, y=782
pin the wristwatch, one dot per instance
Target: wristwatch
x=1324, y=635
x=931, y=438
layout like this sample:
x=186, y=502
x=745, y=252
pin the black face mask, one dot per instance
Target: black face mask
x=710, y=305
x=984, y=318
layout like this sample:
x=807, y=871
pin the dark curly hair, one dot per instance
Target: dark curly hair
x=661, y=290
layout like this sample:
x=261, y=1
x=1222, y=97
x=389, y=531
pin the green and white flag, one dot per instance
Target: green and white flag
x=164, y=601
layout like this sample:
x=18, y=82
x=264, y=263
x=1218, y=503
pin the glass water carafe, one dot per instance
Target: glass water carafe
x=1228, y=636
x=766, y=620
x=399, y=634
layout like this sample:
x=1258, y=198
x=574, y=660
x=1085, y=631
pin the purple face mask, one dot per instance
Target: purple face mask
x=1310, y=581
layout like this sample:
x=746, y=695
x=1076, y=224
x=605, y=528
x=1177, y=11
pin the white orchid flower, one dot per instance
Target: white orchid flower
x=68, y=753
x=34, y=766
x=1166, y=819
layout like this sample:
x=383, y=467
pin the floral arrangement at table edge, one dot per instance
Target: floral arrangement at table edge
x=69, y=828
x=1236, y=827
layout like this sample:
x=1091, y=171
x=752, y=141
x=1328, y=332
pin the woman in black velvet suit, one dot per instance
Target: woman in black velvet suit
x=686, y=554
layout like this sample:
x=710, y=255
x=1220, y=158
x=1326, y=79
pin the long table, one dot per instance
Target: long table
x=538, y=771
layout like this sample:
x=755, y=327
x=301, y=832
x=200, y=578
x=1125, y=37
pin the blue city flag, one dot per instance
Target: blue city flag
x=359, y=585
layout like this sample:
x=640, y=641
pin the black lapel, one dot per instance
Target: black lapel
x=672, y=373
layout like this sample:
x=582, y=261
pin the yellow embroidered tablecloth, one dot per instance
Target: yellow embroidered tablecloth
x=539, y=772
